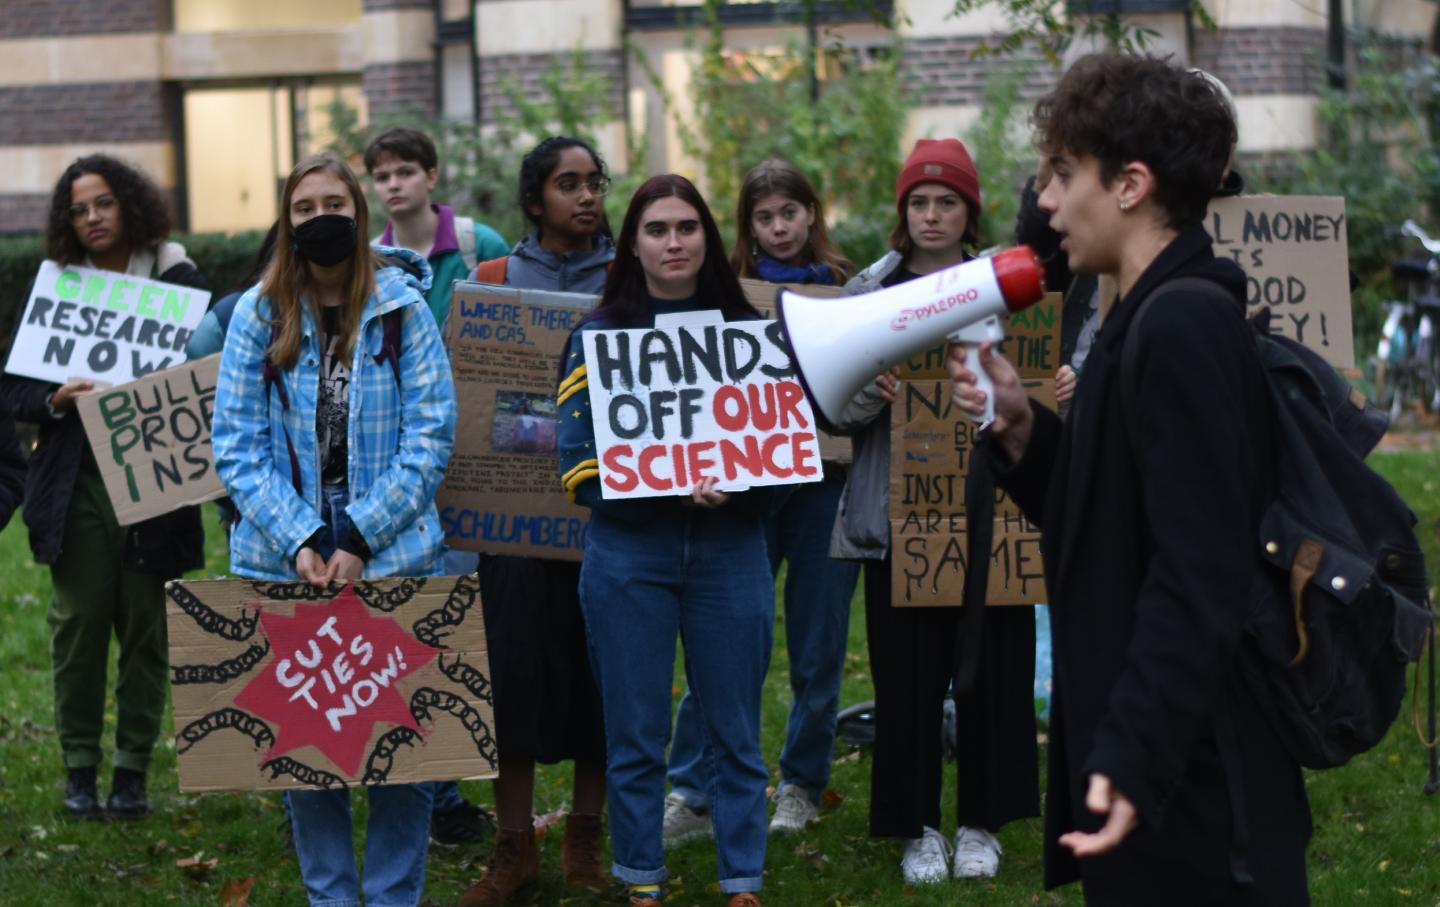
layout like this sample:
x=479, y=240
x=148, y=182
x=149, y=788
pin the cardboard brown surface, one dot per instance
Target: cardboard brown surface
x=761, y=294
x=501, y=493
x=1295, y=253
x=252, y=697
x=151, y=439
x=930, y=445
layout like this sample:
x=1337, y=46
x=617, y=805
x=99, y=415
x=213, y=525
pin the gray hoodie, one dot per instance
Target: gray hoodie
x=532, y=266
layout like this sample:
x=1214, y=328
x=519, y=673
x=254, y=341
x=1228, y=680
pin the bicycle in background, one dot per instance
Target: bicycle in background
x=1407, y=359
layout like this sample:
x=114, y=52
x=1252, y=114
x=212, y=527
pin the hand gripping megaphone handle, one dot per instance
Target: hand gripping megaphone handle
x=838, y=346
x=990, y=329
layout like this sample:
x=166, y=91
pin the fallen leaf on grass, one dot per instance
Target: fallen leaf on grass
x=159, y=847
x=549, y=819
x=1384, y=865
x=67, y=848
x=831, y=799
x=236, y=892
x=198, y=862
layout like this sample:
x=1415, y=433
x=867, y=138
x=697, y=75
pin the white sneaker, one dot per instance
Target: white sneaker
x=793, y=811
x=927, y=859
x=977, y=854
x=684, y=822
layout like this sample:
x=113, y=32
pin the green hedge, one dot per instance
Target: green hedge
x=223, y=258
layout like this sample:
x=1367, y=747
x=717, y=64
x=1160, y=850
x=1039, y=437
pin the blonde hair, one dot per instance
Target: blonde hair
x=287, y=278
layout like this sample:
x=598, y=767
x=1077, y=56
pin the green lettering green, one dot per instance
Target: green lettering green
x=67, y=285
x=116, y=410
x=94, y=289
x=175, y=305
x=116, y=299
x=149, y=298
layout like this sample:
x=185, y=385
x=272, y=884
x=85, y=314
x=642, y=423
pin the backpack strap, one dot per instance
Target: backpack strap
x=492, y=271
x=390, y=341
x=465, y=239
x=1130, y=351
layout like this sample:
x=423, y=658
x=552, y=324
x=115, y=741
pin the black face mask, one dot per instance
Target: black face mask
x=326, y=240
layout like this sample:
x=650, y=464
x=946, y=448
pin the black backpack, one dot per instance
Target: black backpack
x=1343, y=607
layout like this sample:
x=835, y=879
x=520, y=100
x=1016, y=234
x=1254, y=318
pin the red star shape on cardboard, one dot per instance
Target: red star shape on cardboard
x=330, y=678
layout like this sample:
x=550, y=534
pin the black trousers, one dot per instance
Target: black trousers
x=912, y=661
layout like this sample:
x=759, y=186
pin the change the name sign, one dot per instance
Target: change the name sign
x=1296, y=259
x=676, y=404
x=110, y=327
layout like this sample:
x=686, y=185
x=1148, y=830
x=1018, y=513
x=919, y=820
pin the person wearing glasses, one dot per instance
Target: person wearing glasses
x=547, y=704
x=107, y=578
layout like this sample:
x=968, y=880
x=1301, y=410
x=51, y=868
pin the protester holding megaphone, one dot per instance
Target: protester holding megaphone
x=912, y=650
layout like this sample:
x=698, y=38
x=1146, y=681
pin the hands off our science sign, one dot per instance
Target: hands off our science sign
x=676, y=404
x=102, y=325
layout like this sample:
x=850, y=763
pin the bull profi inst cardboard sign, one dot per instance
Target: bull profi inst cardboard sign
x=151, y=439
x=102, y=325
x=285, y=685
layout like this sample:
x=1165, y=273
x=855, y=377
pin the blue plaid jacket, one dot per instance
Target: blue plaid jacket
x=399, y=437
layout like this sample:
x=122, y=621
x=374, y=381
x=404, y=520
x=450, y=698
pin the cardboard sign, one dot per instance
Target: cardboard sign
x=151, y=439
x=283, y=685
x=930, y=446
x=102, y=325
x=501, y=493
x=677, y=403
x=1295, y=253
x=833, y=448
x=1032, y=344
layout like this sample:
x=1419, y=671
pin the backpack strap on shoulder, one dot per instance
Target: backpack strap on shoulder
x=465, y=239
x=492, y=271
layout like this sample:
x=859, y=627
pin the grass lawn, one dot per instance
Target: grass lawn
x=1377, y=835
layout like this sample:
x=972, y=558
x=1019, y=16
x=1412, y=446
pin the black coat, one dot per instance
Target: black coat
x=166, y=545
x=1150, y=552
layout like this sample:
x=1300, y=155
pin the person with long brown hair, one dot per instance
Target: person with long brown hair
x=692, y=566
x=106, y=214
x=334, y=420
x=780, y=237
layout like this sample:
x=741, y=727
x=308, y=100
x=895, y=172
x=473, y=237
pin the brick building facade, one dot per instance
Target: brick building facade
x=217, y=98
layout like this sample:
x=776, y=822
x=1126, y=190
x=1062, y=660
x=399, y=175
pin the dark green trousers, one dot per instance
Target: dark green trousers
x=95, y=596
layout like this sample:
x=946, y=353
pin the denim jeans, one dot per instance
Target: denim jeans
x=818, y=590
x=397, y=837
x=700, y=575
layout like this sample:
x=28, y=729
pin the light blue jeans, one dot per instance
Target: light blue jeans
x=702, y=576
x=397, y=837
x=818, y=590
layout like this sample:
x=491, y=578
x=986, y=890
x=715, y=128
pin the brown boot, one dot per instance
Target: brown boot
x=580, y=853
x=515, y=865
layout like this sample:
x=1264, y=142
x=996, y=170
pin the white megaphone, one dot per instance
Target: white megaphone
x=840, y=345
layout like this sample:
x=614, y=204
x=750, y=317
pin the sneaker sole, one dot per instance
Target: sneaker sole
x=687, y=837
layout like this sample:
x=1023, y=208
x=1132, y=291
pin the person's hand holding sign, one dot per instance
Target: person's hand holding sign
x=706, y=495
x=312, y=567
x=64, y=397
x=344, y=566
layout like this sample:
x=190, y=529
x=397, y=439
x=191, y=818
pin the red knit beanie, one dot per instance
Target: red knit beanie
x=939, y=161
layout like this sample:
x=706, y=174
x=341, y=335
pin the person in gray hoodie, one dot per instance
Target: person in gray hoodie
x=547, y=704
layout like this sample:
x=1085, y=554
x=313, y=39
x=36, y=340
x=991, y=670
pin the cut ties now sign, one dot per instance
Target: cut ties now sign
x=695, y=399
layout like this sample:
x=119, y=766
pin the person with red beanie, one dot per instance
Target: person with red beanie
x=913, y=650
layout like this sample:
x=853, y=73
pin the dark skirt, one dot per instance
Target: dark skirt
x=547, y=704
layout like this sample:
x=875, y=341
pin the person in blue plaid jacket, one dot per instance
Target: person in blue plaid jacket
x=334, y=421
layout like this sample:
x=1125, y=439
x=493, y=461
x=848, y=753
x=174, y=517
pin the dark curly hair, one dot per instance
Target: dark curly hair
x=1121, y=108
x=143, y=212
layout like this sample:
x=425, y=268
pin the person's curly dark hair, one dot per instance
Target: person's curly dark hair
x=143, y=213
x=1120, y=108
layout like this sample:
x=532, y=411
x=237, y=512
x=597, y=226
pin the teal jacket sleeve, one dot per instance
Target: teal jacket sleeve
x=489, y=243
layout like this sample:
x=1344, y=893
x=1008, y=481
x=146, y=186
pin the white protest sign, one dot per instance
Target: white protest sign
x=1296, y=258
x=675, y=404
x=102, y=325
